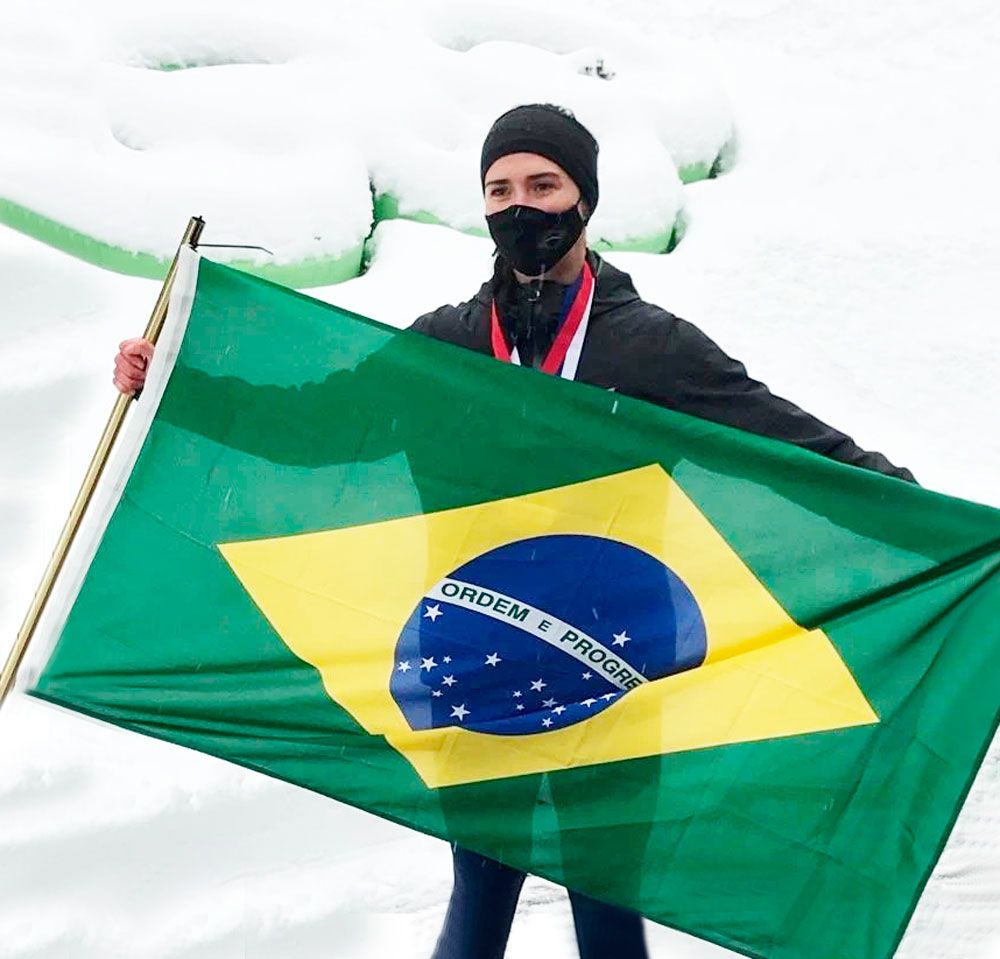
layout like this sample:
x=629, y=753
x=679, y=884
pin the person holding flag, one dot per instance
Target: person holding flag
x=556, y=306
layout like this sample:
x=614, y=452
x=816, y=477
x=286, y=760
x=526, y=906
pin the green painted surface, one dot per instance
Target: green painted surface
x=220, y=61
x=662, y=242
x=695, y=172
x=703, y=170
x=319, y=271
x=387, y=208
x=80, y=245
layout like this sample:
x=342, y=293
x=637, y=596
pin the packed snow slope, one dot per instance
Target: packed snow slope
x=848, y=257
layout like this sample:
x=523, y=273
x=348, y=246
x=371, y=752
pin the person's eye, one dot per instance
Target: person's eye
x=497, y=191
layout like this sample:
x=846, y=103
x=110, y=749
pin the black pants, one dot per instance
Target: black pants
x=482, y=908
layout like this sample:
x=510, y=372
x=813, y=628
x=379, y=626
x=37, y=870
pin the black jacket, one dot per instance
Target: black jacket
x=643, y=351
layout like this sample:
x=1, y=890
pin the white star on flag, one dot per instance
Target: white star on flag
x=427, y=664
x=516, y=694
x=519, y=706
x=538, y=685
x=546, y=721
x=621, y=639
x=588, y=702
x=459, y=712
x=609, y=695
x=436, y=692
x=586, y=675
x=447, y=659
x=559, y=710
x=549, y=702
x=432, y=612
x=403, y=666
x=448, y=680
x=492, y=659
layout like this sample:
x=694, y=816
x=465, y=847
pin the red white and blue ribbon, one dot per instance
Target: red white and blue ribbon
x=564, y=354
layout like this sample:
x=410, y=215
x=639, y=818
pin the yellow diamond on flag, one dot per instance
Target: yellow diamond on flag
x=372, y=608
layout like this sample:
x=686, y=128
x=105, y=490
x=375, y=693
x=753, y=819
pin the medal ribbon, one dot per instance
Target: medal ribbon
x=568, y=344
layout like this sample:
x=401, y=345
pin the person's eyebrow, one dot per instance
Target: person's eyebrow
x=532, y=177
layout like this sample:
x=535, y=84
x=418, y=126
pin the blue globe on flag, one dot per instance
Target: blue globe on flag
x=543, y=633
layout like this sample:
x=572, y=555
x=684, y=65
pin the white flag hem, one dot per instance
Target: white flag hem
x=116, y=473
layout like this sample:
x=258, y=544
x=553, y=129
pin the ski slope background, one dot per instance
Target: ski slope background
x=849, y=257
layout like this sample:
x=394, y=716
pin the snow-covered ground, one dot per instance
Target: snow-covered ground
x=849, y=258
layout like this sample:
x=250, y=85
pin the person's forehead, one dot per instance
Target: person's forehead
x=517, y=165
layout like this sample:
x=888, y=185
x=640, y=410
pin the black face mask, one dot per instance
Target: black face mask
x=534, y=241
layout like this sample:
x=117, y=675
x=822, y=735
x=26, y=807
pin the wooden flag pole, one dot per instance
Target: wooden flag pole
x=100, y=458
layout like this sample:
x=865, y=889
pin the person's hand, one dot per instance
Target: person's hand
x=131, y=364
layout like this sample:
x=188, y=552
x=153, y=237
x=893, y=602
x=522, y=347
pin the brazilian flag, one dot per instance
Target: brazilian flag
x=718, y=679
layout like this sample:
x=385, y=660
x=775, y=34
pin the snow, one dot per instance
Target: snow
x=849, y=258
x=278, y=121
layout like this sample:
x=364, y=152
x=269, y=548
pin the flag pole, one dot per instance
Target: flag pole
x=100, y=458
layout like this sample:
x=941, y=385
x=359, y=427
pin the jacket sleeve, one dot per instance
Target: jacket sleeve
x=426, y=324
x=704, y=381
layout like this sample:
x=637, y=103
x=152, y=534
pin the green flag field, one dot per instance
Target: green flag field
x=709, y=676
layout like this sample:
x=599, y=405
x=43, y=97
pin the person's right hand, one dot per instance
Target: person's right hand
x=131, y=364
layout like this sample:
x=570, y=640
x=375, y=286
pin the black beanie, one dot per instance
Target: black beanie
x=552, y=132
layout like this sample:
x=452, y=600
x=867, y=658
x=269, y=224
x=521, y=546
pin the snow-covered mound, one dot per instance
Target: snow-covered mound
x=294, y=126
